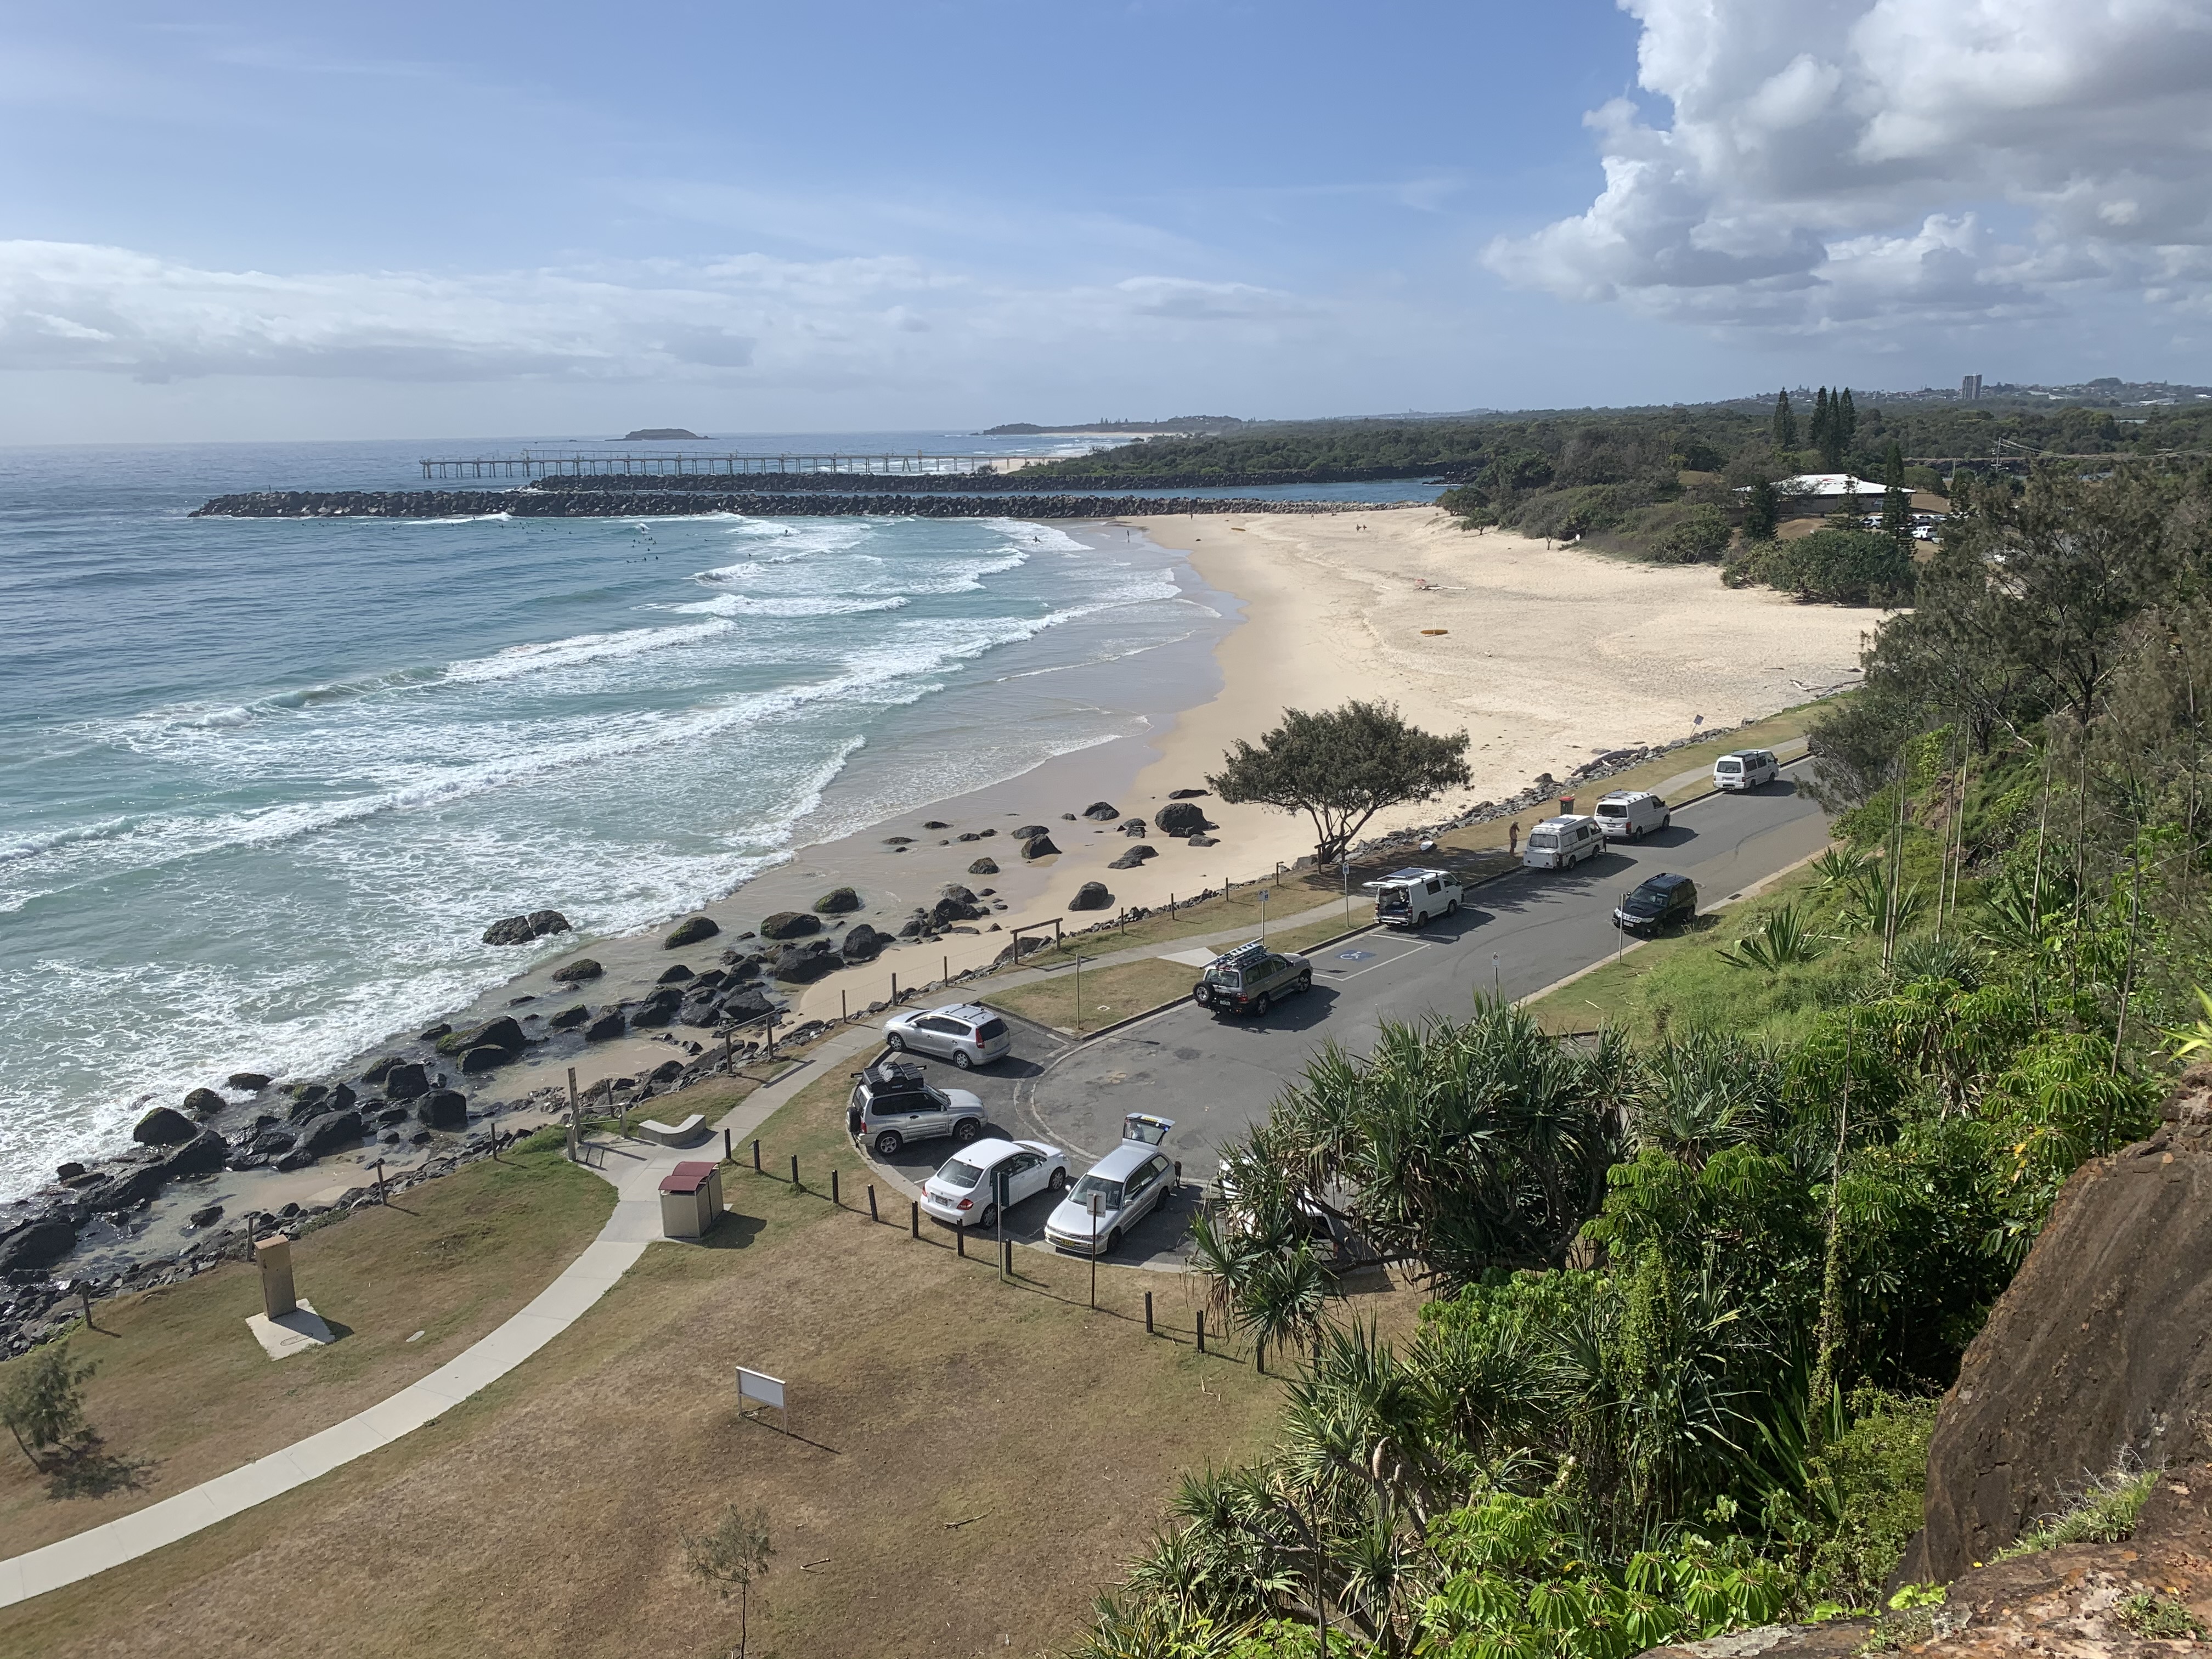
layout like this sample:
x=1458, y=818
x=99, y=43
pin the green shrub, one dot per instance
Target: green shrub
x=1841, y=567
x=1702, y=534
x=1871, y=1478
x=2105, y=1514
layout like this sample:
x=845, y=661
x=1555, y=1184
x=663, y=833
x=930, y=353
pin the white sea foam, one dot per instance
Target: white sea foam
x=740, y=604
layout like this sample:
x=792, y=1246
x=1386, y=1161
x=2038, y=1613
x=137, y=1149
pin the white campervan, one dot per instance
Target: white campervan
x=1632, y=814
x=1745, y=768
x=1562, y=842
x=1408, y=898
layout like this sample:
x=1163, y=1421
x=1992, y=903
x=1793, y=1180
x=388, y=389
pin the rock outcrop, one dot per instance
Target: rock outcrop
x=836, y=902
x=520, y=930
x=1092, y=895
x=1038, y=847
x=1180, y=817
x=690, y=932
x=576, y=972
x=790, y=924
x=165, y=1125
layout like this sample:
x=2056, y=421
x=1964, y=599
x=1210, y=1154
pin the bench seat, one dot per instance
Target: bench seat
x=692, y=1130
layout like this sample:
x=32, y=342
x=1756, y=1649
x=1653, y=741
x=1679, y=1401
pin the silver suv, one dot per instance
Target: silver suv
x=1251, y=979
x=892, y=1105
x=965, y=1033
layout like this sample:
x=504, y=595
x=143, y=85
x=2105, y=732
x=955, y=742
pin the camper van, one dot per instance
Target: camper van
x=1408, y=898
x=1560, y=843
x=1632, y=814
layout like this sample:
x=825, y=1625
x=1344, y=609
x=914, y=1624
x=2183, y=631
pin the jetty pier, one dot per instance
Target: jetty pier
x=645, y=464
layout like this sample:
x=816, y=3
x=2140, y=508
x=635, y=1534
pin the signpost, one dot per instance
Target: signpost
x=1002, y=1184
x=1094, y=1252
x=764, y=1391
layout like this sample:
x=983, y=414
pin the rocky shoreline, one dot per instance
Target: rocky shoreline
x=650, y=498
x=1022, y=481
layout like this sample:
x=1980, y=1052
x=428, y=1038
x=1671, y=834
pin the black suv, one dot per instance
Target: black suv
x=1658, y=903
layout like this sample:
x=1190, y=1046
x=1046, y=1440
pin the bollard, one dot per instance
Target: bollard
x=1259, y=1355
x=1201, y=1330
x=1148, y=1313
x=729, y=1156
x=1006, y=1250
x=914, y=1219
x=873, y=1216
x=960, y=1240
x=843, y=1012
x=795, y=1169
x=755, y=1157
x=894, y=987
x=834, y=1199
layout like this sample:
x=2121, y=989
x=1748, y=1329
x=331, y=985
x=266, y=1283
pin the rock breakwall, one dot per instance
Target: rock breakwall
x=644, y=502
x=1026, y=481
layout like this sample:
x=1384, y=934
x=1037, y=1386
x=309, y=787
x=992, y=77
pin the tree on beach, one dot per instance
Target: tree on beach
x=1340, y=766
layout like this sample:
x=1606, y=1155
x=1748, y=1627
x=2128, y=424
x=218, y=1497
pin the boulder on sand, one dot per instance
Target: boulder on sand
x=203, y=1154
x=576, y=972
x=984, y=867
x=38, y=1244
x=811, y=960
x=443, y=1109
x=674, y=976
x=1134, y=857
x=406, y=1081
x=1180, y=817
x=485, y=1058
x=836, y=902
x=1185, y=795
x=607, y=1026
x=1104, y=811
x=1092, y=895
x=164, y=1126
x=690, y=932
x=520, y=930
x=500, y=1033
x=1030, y=832
x=567, y=1019
x=246, y=1082
x=863, y=944
x=1038, y=847
x=1133, y=826
x=790, y=924
x=330, y=1132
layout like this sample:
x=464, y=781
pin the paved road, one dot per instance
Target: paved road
x=1214, y=1075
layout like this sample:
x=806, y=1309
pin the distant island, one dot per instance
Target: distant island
x=1179, y=424
x=657, y=434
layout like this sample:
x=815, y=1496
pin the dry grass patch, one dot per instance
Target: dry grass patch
x=1107, y=994
x=968, y=1462
x=183, y=1384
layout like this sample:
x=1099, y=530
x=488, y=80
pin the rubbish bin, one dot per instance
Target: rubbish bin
x=690, y=1200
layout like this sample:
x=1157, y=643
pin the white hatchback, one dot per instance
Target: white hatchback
x=963, y=1194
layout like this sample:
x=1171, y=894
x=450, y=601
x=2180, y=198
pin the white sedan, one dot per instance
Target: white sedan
x=963, y=1193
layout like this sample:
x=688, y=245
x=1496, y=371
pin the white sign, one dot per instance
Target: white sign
x=760, y=1387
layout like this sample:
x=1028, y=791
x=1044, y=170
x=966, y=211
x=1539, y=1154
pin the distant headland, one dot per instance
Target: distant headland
x=1180, y=426
x=655, y=434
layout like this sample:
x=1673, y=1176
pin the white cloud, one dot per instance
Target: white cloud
x=1836, y=164
x=83, y=307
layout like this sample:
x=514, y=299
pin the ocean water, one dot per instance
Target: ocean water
x=264, y=782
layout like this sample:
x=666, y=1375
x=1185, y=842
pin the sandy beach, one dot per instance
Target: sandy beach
x=1545, y=656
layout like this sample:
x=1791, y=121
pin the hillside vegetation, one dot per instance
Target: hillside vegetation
x=1697, y=1281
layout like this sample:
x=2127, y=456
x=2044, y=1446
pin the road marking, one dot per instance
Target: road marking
x=1353, y=956
x=1355, y=973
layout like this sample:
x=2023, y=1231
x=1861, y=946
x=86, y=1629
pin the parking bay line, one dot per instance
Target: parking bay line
x=1343, y=974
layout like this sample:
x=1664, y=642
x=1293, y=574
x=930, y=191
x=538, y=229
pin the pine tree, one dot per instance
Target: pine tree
x=1785, y=423
x=1816, y=434
x=1762, y=513
x=1847, y=421
x=1896, y=500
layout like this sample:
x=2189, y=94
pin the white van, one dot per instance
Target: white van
x=1745, y=768
x=1563, y=842
x=1408, y=898
x=1632, y=814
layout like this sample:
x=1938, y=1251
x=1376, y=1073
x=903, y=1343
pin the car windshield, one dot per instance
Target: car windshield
x=1645, y=902
x=1109, y=1193
x=959, y=1175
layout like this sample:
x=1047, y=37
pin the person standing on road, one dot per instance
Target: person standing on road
x=1513, y=839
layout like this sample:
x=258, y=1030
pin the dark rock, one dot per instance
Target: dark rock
x=985, y=835
x=1186, y=794
x=576, y=972
x=898, y=841
x=967, y=835
x=667, y=1072
x=707, y=980
x=542, y=922
x=502, y=1033
x=747, y=968
x=1180, y=817
x=38, y=1244
x=863, y=944
x=1030, y=832
x=937, y=824
x=745, y=1003
x=651, y=1016
x=485, y=1058
x=1038, y=847
x=805, y=962
x=984, y=867
x=675, y=975
x=273, y=1143
x=1092, y=895
x=508, y=930
x=406, y=1081
x=440, y=1029
x=69, y=1171
x=1104, y=811
x=690, y=932
x=1201, y=840
x=299, y=1158
x=957, y=892
x=391, y=1115
x=380, y=1069
x=836, y=902
x=1133, y=859
x=332, y=1131
x=910, y=928
x=608, y=1025
x=203, y=1154
x=421, y=1137
x=1133, y=826
x=339, y=1098
x=247, y=1082
x=790, y=924
x=121, y=1192
x=164, y=1126
x=205, y=1217
x=568, y=1018
x=443, y=1109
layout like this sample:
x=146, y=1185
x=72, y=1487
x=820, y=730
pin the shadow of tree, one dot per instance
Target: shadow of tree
x=89, y=1470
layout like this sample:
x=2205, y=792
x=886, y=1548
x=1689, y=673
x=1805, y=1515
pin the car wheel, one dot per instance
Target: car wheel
x=888, y=1142
x=966, y=1130
x=960, y=1059
x=1113, y=1242
x=894, y=1043
x=1452, y=908
x=1260, y=1005
x=1667, y=823
x=989, y=1217
x=1305, y=981
x=1058, y=1182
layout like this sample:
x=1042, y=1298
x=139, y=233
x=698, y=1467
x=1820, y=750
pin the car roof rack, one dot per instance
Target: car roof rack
x=1409, y=874
x=1243, y=954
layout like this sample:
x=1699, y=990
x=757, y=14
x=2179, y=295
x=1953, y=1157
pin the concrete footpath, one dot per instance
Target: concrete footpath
x=635, y=1170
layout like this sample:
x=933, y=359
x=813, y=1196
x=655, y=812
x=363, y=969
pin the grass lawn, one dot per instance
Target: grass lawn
x=183, y=1386
x=968, y=1462
x=1238, y=910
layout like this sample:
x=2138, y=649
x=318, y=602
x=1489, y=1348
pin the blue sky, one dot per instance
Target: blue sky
x=253, y=221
